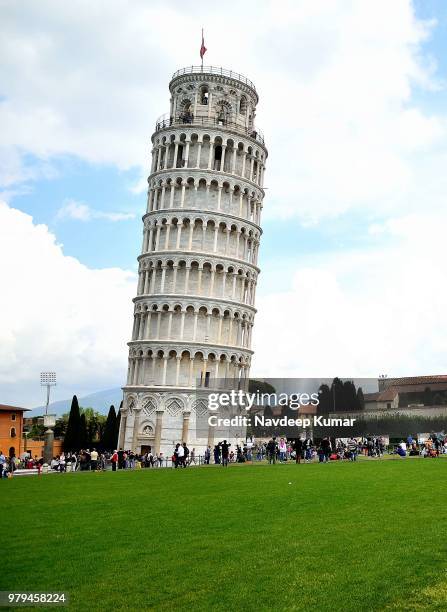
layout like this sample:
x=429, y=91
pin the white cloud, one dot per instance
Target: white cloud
x=81, y=212
x=360, y=313
x=57, y=314
x=335, y=79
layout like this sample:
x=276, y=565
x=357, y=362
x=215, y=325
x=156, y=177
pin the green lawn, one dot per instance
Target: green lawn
x=365, y=536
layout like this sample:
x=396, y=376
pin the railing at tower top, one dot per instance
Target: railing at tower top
x=186, y=118
x=214, y=70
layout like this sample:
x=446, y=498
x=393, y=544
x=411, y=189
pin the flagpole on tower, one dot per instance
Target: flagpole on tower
x=202, y=50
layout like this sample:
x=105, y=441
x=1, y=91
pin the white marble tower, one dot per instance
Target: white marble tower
x=194, y=309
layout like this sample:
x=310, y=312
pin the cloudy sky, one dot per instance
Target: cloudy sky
x=353, y=98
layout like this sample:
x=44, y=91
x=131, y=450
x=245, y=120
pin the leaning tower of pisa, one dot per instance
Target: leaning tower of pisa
x=194, y=308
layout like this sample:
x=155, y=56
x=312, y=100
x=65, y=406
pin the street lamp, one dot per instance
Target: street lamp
x=47, y=379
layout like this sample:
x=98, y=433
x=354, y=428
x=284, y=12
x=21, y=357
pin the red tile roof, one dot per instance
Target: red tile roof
x=411, y=384
x=7, y=408
x=415, y=380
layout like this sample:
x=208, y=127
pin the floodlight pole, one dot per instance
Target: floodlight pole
x=48, y=380
x=48, y=399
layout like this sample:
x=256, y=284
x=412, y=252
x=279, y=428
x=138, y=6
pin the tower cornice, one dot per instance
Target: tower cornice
x=178, y=297
x=201, y=213
x=198, y=256
x=215, y=175
x=198, y=346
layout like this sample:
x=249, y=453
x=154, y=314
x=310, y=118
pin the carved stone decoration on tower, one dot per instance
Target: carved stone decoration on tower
x=194, y=309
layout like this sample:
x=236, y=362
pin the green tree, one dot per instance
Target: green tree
x=260, y=386
x=324, y=395
x=349, y=396
x=36, y=429
x=108, y=440
x=72, y=441
x=95, y=426
x=117, y=428
x=83, y=432
x=360, y=399
x=60, y=429
x=337, y=395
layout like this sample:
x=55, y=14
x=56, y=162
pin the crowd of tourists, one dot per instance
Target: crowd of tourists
x=8, y=465
x=434, y=446
x=276, y=450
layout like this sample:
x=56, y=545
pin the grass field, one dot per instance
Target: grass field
x=365, y=536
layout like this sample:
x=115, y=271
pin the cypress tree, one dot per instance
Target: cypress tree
x=360, y=399
x=83, y=432
x=117, y=429
x=324, y=396
x=109, y=437
x=349, y=396
x=337, y=395
x=72, y=435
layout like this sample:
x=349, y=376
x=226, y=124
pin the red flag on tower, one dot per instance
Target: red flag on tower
x=202, y=48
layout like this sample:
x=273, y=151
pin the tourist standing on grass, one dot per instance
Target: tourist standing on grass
x=185, y=455
x=217, y=454
x=298, y=447
x=180, y=456
x=225, y=449
x=74, y=461
x=94, y=460
x=174, y=458
x=282, y=450
x=62, y=466
x=2, y=463
x=326, y=448
x=114, y=460
x=207, y=455
x=271, y=450
x=308, y=453
x=353, y=449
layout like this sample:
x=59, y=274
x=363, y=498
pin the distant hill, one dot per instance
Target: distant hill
x=99, y=401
